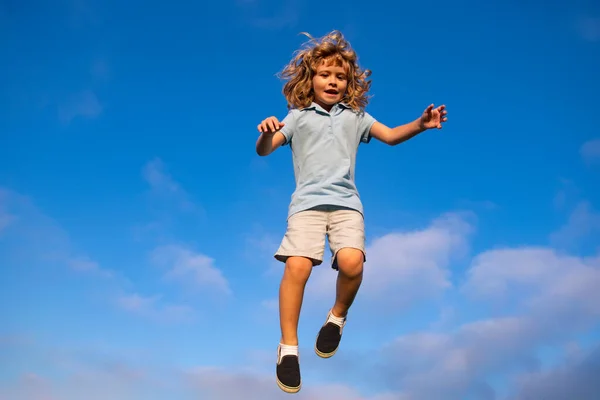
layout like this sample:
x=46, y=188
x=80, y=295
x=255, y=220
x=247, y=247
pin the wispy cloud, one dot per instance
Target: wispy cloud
x=271, y=305
x=589, y=28
x=29, y=227
x=46, y=241
x=567, y=194
x=81, y=104
x=169, y=204
x=154, y=308
x=191, y=268
x=86, y=265
x=100, y=70
x=583, y=223
x=590, y=151
x=260, y=246
x=164, y=187
x=84, y=13
x=5, y=218
x=286, y=14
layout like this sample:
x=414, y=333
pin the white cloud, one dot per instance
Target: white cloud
x=221, y=384
x=423, y=365
x=590, y=151
x=541, y=298
x=117, y=374
x=492, y=272
x=576, y=378
x=534, y=296
x=428, y=366
x=544, y=280
x=398, y=261
x=189, y=267
x=558, y=291
x=405, y=266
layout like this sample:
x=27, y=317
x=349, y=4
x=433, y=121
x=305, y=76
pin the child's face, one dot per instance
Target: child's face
x=329, y=85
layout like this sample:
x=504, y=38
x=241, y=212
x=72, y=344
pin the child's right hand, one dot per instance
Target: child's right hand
x=270, y=126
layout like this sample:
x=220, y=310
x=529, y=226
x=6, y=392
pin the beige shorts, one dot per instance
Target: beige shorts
x=306, y=232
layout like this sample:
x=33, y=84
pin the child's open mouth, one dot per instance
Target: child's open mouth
x=332, y=92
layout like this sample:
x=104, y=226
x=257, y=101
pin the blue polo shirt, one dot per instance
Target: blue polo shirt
x=324, y=146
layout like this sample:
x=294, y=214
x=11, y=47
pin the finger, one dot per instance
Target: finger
x=276, y=123
x=272, y=126
x=429, y=108
x=259, y=127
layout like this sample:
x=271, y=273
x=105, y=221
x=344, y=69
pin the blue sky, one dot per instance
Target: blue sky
x=137, y=223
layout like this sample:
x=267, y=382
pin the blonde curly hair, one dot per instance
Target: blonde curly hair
x=330, y=49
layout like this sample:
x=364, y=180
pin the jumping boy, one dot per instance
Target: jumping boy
x=326, y=92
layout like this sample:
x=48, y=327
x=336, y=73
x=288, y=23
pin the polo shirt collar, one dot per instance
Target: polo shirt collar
x=315, y=106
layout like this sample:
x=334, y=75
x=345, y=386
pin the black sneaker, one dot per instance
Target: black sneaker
x=328, y=339
x=288, y=373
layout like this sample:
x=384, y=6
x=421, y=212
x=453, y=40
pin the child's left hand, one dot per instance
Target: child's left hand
x=433, y=117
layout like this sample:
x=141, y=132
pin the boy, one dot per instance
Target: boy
x=326, y=91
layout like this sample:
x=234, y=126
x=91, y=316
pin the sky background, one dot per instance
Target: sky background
x=138, y=225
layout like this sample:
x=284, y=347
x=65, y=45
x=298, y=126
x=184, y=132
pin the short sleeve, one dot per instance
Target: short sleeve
x=289, y=126
x=365, y=122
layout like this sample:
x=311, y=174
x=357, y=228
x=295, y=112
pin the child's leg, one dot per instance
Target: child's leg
x=350, y=272
x=347, y=243
x=301, y=248
x=291, y=292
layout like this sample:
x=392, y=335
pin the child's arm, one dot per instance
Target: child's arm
x=270, y=137
x=431, y=118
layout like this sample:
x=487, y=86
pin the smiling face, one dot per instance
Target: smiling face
x=329, y=84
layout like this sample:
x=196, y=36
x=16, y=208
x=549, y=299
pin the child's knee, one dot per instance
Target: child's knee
x=298, y=268
x=350, y=262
